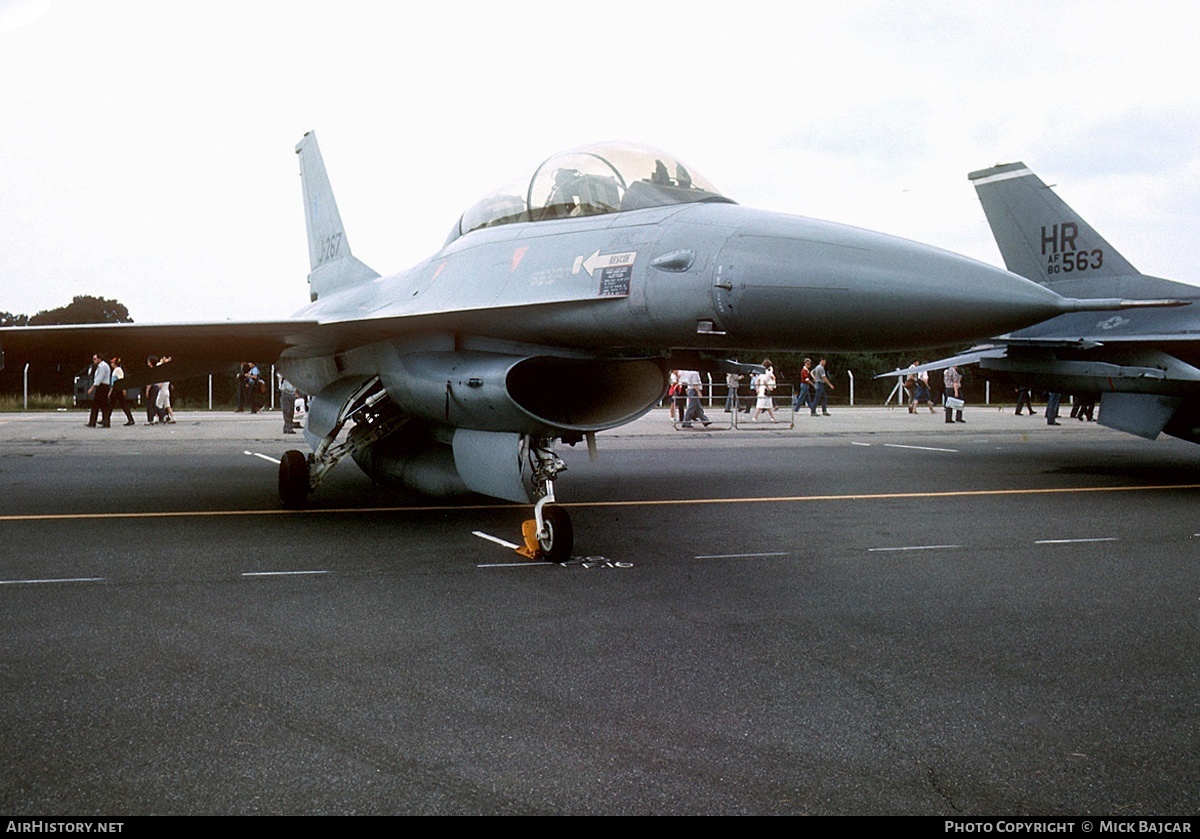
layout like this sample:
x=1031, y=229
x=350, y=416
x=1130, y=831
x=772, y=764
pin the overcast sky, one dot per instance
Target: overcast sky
x=146, y=148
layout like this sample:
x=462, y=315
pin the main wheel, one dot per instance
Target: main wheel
x=560, y=536
x=293, y=480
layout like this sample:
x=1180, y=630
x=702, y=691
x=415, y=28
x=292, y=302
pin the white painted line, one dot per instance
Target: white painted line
x=919, y=448
x=62, y=580
x=1074, y=541
x=526, y=564
x=868, y=445
x=263, y=456
x=742, y=556
x=915, y=548
x=279, y=573
x=495, y=539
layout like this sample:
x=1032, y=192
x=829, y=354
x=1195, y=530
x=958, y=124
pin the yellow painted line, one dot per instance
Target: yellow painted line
x=663, y=502
x=179, y=514
x=881, y=496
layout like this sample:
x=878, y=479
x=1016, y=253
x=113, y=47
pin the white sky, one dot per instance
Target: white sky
x=146, y=147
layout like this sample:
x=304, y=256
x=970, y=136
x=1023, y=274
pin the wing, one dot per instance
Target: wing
x=194, y=348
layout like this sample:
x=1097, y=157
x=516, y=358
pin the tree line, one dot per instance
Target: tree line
x=82, y=309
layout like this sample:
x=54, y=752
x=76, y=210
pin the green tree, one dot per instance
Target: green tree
x=84, y=309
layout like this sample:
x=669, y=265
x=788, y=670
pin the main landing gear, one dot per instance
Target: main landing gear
x=300, y=474
x=548, y=536
x=293, y=480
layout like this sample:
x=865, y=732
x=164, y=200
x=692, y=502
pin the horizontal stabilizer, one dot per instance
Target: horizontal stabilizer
x=1112, y=304
x=973, y=356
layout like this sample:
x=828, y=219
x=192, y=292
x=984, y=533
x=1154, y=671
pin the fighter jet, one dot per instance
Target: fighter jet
x=1142, y=364
x=553, y=311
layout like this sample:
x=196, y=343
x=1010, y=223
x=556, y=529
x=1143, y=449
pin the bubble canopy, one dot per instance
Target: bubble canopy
x=589, y=181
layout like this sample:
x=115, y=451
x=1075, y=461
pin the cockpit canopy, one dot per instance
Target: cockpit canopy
x=589, y=181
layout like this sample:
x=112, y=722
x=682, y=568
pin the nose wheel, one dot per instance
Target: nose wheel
x=549, y=536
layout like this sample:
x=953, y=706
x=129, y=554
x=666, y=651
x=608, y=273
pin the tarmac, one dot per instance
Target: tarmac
x=870, y=613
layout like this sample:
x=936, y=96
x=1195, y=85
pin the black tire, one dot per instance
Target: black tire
x=293, y=480
x=560, y=535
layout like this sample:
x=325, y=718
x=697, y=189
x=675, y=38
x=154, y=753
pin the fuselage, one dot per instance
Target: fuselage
x=708, y=276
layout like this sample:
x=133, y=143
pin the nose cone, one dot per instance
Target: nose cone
x=788, y=281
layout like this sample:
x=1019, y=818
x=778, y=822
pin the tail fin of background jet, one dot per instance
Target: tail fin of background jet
x=1039, y=236
x=333, y=266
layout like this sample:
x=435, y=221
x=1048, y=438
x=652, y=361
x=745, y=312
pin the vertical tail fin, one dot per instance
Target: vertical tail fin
x=332, y=265
x=1039, y=236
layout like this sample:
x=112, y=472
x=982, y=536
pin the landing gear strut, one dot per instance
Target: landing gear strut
x=548, y=535
x=367, y=407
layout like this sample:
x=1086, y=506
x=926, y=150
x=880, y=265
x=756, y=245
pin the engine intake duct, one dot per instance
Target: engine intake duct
x=541, y=395
x=586, y=395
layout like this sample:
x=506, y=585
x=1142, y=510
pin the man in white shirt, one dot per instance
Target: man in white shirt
x=101, y=383
x=694, y=410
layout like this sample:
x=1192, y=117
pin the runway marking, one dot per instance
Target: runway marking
x=267, y=457
x=1075, y=541
x=579, y=505
x=526, y=564
x=495, y=539
x=280, y=573
x=915, y=548
x=867, y=445
x=61, y=580
x=919, y=448
x=744, y=556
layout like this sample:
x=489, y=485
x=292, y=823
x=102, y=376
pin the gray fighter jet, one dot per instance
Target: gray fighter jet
x=553, y=311
x=1142, y=364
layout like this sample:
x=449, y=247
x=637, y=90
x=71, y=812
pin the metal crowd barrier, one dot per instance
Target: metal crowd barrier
x=721, y=418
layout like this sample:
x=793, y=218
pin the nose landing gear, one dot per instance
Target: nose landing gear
x=548, y=535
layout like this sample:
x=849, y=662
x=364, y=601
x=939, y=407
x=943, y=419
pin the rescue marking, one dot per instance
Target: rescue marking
x=599, y=260
x=920, y=448
x=61, y=580
x=915, y=548
x=1074, y=541
x=263, y=456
